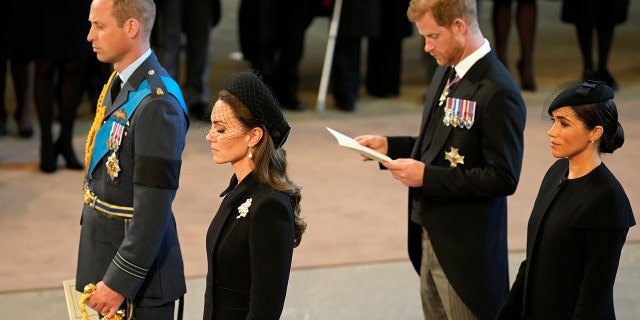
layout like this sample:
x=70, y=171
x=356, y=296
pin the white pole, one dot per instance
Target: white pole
x=328, y=56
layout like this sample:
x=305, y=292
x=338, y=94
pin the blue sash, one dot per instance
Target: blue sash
x=100, y=148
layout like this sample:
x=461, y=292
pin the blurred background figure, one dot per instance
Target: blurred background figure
x=193, y=20
x=384, y=53
x=60, y=58
x=359, y=19
x=11, y=54
x=272, y=36
x=526, y=16
x=21, y=74
x=602, y=17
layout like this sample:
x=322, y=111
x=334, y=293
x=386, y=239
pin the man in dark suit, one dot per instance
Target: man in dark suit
x=129, y=244
x=462, y=166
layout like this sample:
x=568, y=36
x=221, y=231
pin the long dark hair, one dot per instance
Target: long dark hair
x=271, y=162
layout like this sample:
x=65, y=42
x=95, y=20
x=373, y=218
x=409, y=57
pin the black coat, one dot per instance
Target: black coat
x=465, y=208
x=594, y=12
x=249, y=258
x=575, y=235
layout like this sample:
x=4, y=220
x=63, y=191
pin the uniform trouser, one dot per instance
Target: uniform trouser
x=163, y=312
x=439, y=299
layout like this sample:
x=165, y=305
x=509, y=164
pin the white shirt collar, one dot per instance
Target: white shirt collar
x=128, y=71
x=463, y=66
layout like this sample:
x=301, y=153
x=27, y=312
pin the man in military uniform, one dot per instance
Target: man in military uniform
x=129, y=251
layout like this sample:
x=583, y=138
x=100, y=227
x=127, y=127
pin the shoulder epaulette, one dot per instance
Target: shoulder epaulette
x=156, y=84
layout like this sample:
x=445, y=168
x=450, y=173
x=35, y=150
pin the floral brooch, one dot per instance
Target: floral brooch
x=243, y=209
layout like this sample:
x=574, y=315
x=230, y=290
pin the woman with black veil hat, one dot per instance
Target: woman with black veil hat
x=251, y=238
x=580, y=218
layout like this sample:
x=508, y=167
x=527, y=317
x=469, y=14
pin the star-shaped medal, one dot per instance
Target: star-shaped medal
x=454, y=157
x=113, y=166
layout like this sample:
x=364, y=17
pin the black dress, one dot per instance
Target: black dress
x=62, y=29
x=595, y=12
x=575, y=236
x=249, y=254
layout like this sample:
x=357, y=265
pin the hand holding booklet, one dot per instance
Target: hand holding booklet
x=73, y=302
x=348, y=142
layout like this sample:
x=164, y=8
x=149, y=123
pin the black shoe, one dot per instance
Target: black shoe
x=48, y=159
x=587, y=74
x=606, y=77
x=347, y=107
x=383, y=94
x=25, y=133
x=294, y=106
x=69, y=156
x=526, y=77
x=25, y=130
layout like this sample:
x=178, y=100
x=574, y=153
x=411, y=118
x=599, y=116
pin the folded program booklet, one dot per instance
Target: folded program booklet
x=348, y=142
x=73, y=298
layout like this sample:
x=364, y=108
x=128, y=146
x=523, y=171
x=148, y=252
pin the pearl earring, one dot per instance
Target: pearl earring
x=250, y=153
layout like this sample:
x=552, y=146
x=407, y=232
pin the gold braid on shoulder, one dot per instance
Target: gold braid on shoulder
x=97, y=122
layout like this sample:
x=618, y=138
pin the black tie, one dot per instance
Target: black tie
x=116, y=85
x=437, y=112
x=453, y=78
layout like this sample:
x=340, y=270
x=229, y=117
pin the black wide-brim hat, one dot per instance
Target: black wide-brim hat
x=254, y=93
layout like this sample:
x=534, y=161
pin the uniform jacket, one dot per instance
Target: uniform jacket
x=575, y=235
x=464, y=208
x=249, y=257
x=146, y=263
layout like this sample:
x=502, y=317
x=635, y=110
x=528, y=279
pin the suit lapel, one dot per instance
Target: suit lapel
x=431, y=102
x=228, y=206
x=132, y=84
x=465, y=89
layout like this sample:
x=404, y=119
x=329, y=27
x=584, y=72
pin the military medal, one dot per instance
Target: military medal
x=470, y=114
x=445, y=91
x=444, y=95
x=459, y=112
x=113, y=143
x=453, y=157
x=463, y=113
x=456, y=113
x=113, y=166
x=447, y=117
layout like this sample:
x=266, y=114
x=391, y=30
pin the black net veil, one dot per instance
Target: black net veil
x=249, y=88
x=576, y=93
x=555, y=92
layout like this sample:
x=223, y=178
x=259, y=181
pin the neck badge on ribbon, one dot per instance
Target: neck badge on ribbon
x=113, y=142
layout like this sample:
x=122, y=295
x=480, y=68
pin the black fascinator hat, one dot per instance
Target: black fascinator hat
x=254, y=93
x=587, y=92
